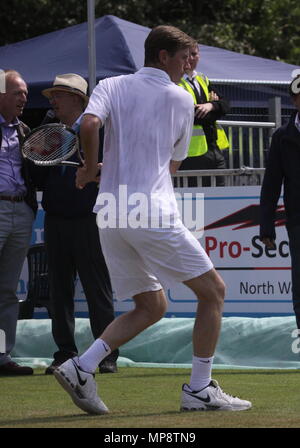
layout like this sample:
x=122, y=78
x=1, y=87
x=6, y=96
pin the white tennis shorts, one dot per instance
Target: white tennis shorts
x=141, y=260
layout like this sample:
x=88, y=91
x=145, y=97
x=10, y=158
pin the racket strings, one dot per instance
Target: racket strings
x=49, y=146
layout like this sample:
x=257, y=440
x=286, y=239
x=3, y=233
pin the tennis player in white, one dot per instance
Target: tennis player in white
x=148, y=124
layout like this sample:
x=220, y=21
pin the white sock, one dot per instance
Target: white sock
x=201, y=373
x=90, y=359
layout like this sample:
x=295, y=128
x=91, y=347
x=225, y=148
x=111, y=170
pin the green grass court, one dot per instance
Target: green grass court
x=150, y=398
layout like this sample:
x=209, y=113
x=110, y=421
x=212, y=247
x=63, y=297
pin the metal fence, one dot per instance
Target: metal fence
x=249, y=99
x=256, y=109
x=249, y=142
x=232, y=177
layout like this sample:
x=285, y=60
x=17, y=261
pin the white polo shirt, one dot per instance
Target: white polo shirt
x=148, y=122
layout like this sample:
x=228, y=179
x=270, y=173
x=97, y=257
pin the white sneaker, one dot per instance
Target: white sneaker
x=211, y=398
x=81, y=386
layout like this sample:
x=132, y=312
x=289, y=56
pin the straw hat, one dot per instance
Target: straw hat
x=69, y=82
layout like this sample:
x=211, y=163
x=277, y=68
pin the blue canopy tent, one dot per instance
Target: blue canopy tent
x=248, y=81
x=120, y=50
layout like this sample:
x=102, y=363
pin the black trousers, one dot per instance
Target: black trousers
x=213, y=159
x=73, y=247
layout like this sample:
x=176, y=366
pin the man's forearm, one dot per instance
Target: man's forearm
x=89, y=136
x=174, y=166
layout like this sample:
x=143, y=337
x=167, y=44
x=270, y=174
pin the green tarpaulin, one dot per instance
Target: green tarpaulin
x=270, y=342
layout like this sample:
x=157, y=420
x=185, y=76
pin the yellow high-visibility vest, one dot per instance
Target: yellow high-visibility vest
x=198, y=144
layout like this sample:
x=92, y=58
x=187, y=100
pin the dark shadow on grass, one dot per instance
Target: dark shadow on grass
x=215, y=372
x=79, y=417
x=256, y=372
x=157, y=375
x=54, y=419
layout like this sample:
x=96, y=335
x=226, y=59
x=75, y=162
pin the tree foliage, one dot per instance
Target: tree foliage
x=267, y=28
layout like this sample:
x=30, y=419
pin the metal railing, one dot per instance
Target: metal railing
x=232, y=177
x=248, y=142
x=248, y=145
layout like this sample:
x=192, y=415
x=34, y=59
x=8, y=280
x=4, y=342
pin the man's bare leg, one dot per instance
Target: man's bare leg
x=150, y=307
x=210, y=291
x=203, y=393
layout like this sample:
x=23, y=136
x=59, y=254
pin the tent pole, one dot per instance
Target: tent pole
x=91, y=44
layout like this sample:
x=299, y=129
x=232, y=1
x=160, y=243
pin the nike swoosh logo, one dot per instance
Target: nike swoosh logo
x=80, y=380
x=206, y=399
x=105, y=347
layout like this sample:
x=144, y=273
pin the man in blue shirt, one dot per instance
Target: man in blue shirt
x=17, y=210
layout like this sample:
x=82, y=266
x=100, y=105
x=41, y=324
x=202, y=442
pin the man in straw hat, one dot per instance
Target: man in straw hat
x=71, y=235
x=283, y=168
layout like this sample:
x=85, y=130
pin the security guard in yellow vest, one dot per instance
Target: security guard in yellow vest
x=209, y=139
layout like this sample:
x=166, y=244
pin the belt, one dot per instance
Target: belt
x=11, y=198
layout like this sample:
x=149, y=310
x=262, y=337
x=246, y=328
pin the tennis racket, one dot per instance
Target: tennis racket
x=52, y=144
